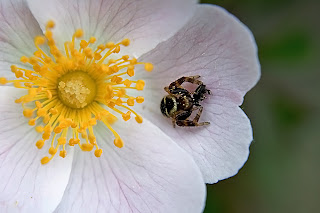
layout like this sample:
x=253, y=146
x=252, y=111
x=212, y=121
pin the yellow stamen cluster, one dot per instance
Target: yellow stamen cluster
x=72, y=90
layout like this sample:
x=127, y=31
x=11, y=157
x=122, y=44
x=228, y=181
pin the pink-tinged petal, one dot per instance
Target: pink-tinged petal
x=219, y=48
x=18, y=27
x=26, y=185
x=214, y=45
x=149, y=174
x=145, y=22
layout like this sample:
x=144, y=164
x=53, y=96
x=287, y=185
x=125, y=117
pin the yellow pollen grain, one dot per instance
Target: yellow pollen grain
x=71, y=90
x=98, y=152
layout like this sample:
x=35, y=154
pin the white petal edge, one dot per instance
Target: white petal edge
x=18, y=27
x=26, y=185
x=149, y=174
x=146, y=22
x=217, y=46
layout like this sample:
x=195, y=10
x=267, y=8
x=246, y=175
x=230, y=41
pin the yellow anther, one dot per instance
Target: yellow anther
x=27, y=113
x=113, y=69
x=126, y=116
x=46, y=119
x=3, y=80
x=148, y=67
x=37, y=67
x=127, y=82
x=32, y=122
x=62, y=141
x=57, y=129
x=92, y=139
x=97, y=56
x=140, y=84
x=53, y=111
x=37, y=53
x=130, y=72
x=33, y=60
x=24, y=59
x=63, y=153
x=98, y=152
x=140, y=99
x=78, y=33
x=39, y=40
x=45, y=160
x=18, y=101
x=130, y=101
x=125, y=42
x=83, y=44
x=48, y=35
x=50, y=24
x=14, y=68
x=46, y=136
x=76, y=141
x=88, y=52
x=121, y=93
x=125, y=57
x=52, y=150
x=117, y=49
x=133, y=61
x=92, y=40
x=71, y=142
x=47, y=129
x=41, y=112
x=63, y=125
x=109, y=45
x=116, y=79
x=118, y=142
x=18, y=74
x=92, y=122
x=101, y=47
x=111, y=105
x=74, y=125
x=39, y=144
x=118, y=102
x=139, y=119
x=86, y=147
x=39, y=129
x=68, y=121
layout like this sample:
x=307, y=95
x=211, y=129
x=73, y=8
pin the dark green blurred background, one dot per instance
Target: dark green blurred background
x=282, y=173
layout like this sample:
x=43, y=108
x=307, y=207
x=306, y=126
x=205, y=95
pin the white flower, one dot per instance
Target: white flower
x=150, y=173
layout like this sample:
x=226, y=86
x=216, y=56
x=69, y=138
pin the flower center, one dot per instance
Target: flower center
x=76, y=89
x=70, y=91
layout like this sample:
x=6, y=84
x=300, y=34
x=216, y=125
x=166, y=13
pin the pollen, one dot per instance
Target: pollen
x=74, y=89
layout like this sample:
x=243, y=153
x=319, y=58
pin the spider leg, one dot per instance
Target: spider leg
x=179, y=116
x=193, y=122
x=190, y=79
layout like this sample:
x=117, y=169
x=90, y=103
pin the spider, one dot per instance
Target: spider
x=180, y=103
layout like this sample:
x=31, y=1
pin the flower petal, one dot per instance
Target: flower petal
x=216, y=46
x=18, y=28
x=146, y=22
x=26, y=185
x=149, y=174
